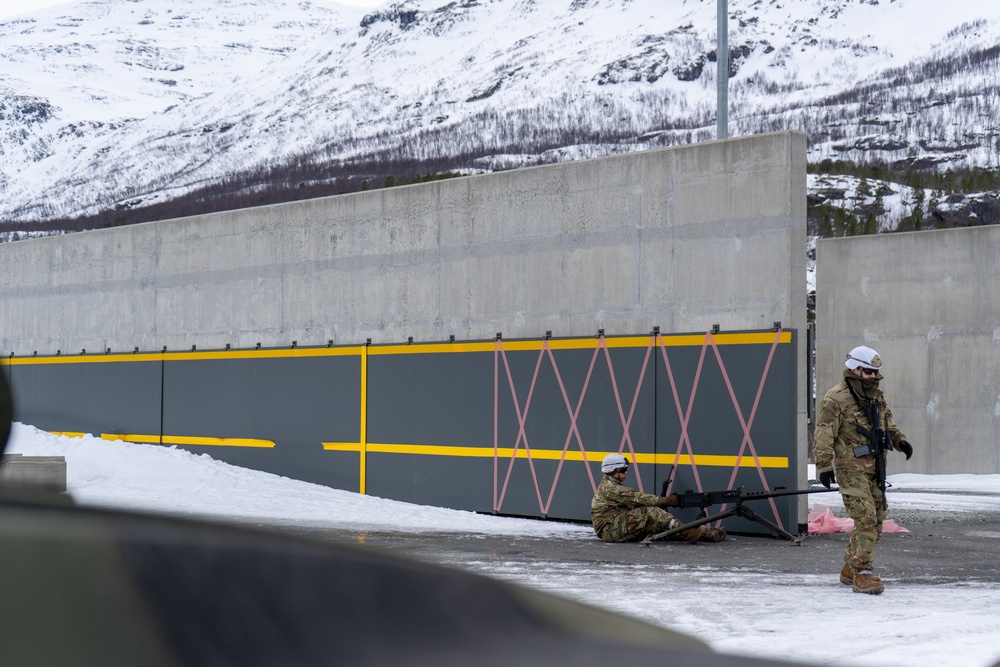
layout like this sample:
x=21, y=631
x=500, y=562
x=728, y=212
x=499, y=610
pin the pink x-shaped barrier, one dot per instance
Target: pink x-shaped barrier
x=574, y=438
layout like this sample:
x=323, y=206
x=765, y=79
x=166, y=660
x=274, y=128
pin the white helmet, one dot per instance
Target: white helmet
x=863, y=357
x=613, y=462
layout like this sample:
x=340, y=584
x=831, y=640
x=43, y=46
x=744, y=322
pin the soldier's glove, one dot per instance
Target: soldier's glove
x=906, y=448
x=667, y=501
x=827, y=478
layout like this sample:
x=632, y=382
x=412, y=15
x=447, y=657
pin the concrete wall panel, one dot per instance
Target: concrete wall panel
x=594, y=243
x=928, y=302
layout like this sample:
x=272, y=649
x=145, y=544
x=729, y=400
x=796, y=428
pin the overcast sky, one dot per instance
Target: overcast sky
x=10, y=8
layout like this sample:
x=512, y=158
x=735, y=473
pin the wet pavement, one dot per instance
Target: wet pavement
x=941, y=552
x=759, y=596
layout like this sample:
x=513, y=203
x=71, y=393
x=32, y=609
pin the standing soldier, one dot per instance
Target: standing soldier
x=622, y=514
x=853, y=432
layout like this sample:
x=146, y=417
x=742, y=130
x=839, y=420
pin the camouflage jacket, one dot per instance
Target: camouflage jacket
x=613, y=498
x=836, y=434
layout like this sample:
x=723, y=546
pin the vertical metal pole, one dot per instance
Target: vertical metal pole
x=722, y=59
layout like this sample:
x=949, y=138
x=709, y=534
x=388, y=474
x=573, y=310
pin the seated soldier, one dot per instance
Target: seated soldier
x=622, y=514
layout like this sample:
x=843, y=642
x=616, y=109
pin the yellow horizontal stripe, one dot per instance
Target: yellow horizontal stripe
x=715, y=460
x=176, y=439
x=692, y=340
x=556, y=454
x=353, y=350
x=96, y=358
x=99, y=358
x=425, y=348
x=215, y=442
x=342, y=446
x=190, y=440
x=124, y=437
x=756, y=338
x=529, y=345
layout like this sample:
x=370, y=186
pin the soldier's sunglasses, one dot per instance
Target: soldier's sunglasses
x=869, y=371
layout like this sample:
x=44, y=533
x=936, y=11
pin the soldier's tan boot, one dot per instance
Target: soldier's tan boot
x=866, y=582
x=691, y=535
x=847, y=575
x=714, y=535
x=704, y=534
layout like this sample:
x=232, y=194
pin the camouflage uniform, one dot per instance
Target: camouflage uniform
x=836, y=436
x=622, y=514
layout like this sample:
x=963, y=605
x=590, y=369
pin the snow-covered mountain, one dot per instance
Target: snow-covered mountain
x=123, y=103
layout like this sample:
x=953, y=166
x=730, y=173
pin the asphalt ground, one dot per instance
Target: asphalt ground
x=940, y=548
x=721, y=592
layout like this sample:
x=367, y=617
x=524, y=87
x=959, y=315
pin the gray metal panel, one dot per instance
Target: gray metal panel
x=431, y=398
x=297, y=402
x=448, y=399
x=442, y=481
x=94, y=397
x=441, y=399
x=6, y=406
x=209, y=397
x=572, y=387
x=423, y=405
x=716, y=418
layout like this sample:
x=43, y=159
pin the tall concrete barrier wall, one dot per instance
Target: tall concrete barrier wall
x=681, y=238
x=685, y=239
x=929, y=303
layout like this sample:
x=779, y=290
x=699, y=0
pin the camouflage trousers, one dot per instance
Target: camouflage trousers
x=863, y=503
x=637, y=523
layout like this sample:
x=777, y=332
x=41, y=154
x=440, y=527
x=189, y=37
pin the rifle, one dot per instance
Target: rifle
x=879, y=443
x=705, y=499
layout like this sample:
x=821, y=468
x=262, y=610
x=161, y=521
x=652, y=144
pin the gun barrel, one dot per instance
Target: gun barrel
x=705, y=499
x=760, y=495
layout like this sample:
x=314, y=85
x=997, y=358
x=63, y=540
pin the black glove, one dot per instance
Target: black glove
x=827, y=478
x=906, y=448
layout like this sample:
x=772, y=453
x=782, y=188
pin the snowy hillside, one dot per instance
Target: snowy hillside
x=124, y=103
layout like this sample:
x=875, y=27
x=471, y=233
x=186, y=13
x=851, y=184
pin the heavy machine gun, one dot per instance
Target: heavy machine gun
x=705, y=499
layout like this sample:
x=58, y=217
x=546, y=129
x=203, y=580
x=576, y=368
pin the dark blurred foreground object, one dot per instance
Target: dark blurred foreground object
x=99, y=587
x=92, y=587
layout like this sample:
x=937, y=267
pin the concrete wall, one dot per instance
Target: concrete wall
x=44, y=472
x=929, y=302
x=680, y=238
